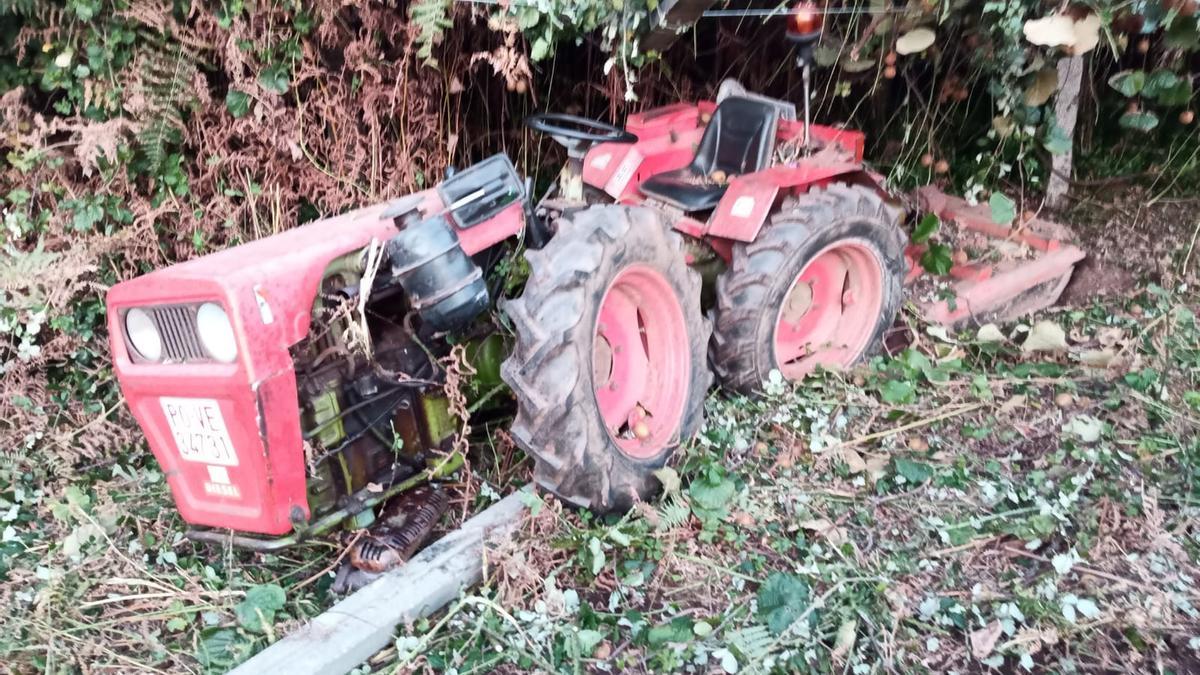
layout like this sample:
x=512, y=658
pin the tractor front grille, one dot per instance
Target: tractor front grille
x=177, y=326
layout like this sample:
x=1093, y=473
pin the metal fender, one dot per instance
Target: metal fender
x=667, y=138
x=750, y=199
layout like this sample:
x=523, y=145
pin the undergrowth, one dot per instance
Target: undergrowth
x=967, y=504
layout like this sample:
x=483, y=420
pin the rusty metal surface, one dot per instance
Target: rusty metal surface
x=405, y=524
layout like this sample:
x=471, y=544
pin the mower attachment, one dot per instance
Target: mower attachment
x=1008, y=272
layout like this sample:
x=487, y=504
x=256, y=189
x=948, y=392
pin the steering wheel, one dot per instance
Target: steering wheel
x=565, y=128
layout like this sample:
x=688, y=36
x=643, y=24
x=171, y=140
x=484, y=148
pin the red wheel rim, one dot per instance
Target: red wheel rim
x=641, y=361
x=829, y=312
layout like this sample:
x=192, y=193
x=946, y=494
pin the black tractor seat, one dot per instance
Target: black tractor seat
x=739, y=139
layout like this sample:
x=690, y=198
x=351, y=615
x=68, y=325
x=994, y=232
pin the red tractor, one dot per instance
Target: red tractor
x=293, y=382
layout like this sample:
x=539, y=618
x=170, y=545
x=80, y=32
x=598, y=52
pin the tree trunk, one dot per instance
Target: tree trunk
x=1066, y=110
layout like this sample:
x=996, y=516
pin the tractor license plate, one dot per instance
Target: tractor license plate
x=199, y=430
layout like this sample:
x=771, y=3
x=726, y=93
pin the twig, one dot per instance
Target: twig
x=357, y=535
x=1089, y=571
x=976, y=543
x=908, y=427
x=1191, y=246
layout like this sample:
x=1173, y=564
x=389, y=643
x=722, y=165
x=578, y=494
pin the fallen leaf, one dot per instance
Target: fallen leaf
x=1055, y=30
x=744, y=519
x=1086, y=428
x=669, y=479
x=1110, y=336
x=1045, y=336
x=1097, y=358
x=915, y=40
x=989, y=332
x=984, y=640
x=1087, y=34
x=853, y=460
x=825, y=528
x=940, y=333
x=844, y=642
x=1017, y=401
x=877, y=467
x=1044, y=84
x=1003, y=125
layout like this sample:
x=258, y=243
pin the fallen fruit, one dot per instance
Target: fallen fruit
x=889, y=72
x=942, y=166
x=1064, y=400
x=890, y=59
x=927, y=160
x=1186, y=117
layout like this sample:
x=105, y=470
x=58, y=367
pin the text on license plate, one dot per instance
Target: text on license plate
x=199, y=430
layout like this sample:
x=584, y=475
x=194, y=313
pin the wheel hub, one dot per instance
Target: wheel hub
x=641, y=361
x=830, y=310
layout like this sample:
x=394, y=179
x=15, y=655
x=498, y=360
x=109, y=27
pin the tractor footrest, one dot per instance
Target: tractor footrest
x=1002, y=272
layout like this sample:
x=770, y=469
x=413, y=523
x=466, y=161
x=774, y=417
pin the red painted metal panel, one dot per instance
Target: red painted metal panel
x=852, y=141
x=749, y=199
x=980, y=297
x=744, y=208
x=508, y=223
x=255, y=396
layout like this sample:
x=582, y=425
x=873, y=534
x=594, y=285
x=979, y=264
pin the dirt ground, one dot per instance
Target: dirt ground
x=1129, y=237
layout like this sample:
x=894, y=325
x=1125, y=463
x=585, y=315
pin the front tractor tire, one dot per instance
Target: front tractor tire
x=609, y=368
x=820, y=285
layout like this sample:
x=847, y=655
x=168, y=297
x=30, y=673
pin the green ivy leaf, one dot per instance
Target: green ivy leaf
x=1057, y=142
x=541, y=48
x=1160, y=81
x=588, y=639
x=1139, y=121
x=1184, y=33
x=678, y=629
x=1004, y=210
x=237, y=102
x=596, y=554
x=1128, y=82
x=1180, y=94
x=782, y=599
x=897, y=392
x=221, y=649
x=913, y=471
x=937, y=259
x=256, y=612
x=275, y=78
x=86, y=213
x=710, y=496
x=926, y=228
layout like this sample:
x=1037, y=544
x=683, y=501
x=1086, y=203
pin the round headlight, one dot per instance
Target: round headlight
x=216, y=332
x=143, y=334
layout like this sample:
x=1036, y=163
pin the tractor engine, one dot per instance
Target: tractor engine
x=368, y=375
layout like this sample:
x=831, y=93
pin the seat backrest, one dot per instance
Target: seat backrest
x=739, y=138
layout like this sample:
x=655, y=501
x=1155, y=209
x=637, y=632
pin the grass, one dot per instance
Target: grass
x=964, y=505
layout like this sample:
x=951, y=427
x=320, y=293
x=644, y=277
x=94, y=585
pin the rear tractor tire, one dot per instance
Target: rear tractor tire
x=820, y=285
x=609, y=367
